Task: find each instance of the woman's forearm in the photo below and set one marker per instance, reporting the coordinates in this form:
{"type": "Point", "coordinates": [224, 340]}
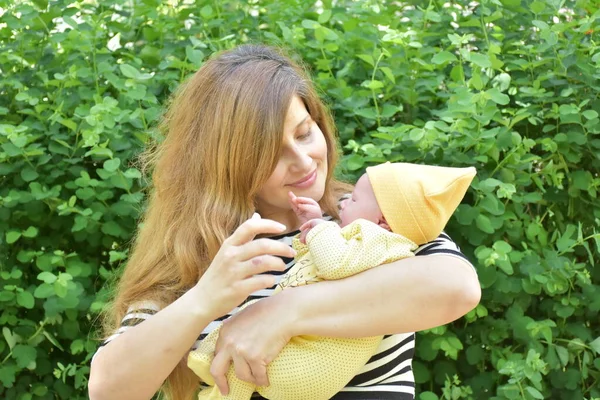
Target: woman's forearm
{"type": "Point", "coordinates": [135, 364]}
{"type": "Point", "coordinates": [404, 296]}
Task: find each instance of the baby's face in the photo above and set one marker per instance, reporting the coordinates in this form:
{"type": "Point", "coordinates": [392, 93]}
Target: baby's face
{"type": "Point", "coordinates": [362, 204]}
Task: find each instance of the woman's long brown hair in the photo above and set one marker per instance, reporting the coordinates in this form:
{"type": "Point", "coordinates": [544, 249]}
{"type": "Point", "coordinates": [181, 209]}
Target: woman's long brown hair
{"type": "Point", "coordinates": [222, 136]}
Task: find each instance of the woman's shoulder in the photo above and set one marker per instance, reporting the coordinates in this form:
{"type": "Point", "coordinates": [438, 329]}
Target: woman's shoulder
{"type": "Point", "coordinates": [443, 244]}
{"type": "Point", "coordinates": [145, 306]}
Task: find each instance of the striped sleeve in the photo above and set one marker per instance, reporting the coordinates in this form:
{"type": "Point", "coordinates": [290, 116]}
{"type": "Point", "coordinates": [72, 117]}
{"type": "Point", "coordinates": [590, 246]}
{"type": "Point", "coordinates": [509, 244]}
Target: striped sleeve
{"type": "Point", "coordinates": [442, 245]}
{"type": "Point", "coordinates": [136, 314]}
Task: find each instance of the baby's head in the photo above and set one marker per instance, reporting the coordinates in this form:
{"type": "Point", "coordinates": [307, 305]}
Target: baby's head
{"type": "Point", "coordinates": [362, 204]}
{"type": "Point", "coordinates": [415, 201]}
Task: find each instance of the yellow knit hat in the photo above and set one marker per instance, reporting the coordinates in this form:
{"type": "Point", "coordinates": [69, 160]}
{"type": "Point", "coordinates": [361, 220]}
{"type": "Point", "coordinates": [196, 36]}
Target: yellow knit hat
{"type": "Point", "coordinates": [418, 200]}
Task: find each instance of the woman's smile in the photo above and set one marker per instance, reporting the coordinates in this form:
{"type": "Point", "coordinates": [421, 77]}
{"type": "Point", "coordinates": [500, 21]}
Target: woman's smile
{"type": "Point", "coordinates": [305, 182]}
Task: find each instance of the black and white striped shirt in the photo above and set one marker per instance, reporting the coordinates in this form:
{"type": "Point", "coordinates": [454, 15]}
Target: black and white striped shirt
{"type": "Point", "coordinates": [387, 375]}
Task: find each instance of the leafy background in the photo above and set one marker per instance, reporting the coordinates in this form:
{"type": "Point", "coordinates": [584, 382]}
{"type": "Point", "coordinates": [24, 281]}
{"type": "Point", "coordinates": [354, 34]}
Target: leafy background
{"type": "Point", "coordinates": [508, 86]}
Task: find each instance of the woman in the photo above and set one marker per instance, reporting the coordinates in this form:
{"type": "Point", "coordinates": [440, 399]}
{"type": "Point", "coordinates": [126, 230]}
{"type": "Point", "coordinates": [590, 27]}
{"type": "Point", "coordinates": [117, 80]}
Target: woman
{"type": "Point", "coordinates": [245, 130]}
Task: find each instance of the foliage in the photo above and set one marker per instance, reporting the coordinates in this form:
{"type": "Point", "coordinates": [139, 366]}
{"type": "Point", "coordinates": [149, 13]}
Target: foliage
{"type": "Point", "coordinates": [508, 86]}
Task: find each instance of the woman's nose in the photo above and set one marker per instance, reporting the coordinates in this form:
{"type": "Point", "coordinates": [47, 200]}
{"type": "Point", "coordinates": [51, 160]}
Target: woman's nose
{"type": "Point", "coordinates": [302, 161]}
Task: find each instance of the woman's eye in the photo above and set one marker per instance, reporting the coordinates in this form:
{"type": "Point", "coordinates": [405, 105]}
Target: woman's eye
{"type": "Point", "coordinates": [305, 136]}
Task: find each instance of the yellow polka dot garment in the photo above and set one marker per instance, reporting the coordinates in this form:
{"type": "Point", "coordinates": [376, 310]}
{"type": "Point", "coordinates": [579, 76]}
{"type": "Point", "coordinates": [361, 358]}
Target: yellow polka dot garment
{"type": "Point", "coordinates": [311, 367]}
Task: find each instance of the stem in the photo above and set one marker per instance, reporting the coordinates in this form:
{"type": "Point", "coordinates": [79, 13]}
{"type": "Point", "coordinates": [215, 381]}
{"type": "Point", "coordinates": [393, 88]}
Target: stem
{"type": "Point", "coordinates": [505, 160]}
{"type": "Point", "coordinates": [521, 389]}
{"type": "Point", "coordinates": [42, 324]}
{"type": "Point", "coordinates": [373, 90]}
{"type": "Point", "coordinates": [487, 40]}
{"type": "Point", "coordinates": [579, 243]}
{"type": "Point", "coordinates": [567, 341]}
{"type": "Point", "coordinates": [328, 66]}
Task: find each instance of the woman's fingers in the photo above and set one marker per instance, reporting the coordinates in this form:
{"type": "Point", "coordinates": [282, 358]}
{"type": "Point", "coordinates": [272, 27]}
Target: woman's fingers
{"type": "Point", "coordinates": [257, 282]}
{"type": "Point", "coordinates": [262, 264]}
{"type": "Point", "coordinates": [251, 228]}
{"type": "Point", "coordinates": [259, 372]}
{"type": "Point", "coordinates": [218, 370]}
{"type": "Point", "coordinates": [260, 247]}
{"type": "Point", "coordinates": [242, 369]}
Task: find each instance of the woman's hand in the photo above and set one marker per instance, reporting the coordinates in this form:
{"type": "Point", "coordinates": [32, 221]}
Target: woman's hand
{"type": "Point", "coordinates": [236, 270]}
{"type": "Point", "coordinates": [252, 338]}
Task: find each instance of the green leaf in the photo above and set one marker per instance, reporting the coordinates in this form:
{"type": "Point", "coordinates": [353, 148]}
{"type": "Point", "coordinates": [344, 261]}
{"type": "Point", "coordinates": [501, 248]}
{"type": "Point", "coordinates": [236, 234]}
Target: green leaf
{"type": "Point", "coordinates": [502, 247]}
{"type": "Point", "coordinates": [25, 299]}
{"type": "Point", "coordinates": [12, 236]}
{"type": "Point", "coordinates": [9, 337]}
{"type": "Point", "coordinates": [194, 55]}
{"type": "Point", "coordinates": [24, 355]}
{"type": "Point", "coordinates": [60, 288]}
{"type": "Point", "coordinates": [367, 112]}
{"type": "Point", "coordinates": [498, 97]}
{"type": "Point", "coordinates": [480, 60]}
{"type": "Point", "coordinates": [52, 340]}
{"type": "Point", "coordinates": [112, 165]}
{"type": "Point", "coordinates": [537, 6]}
{"type": "Point", "coordinates": [47, 277]}
{"type": "Point", "coordinates": [367, 58]}
{"type": "Point", "coordinates": [29, 174]}
{"type": "Point", "coordinates": [563, 355]}
{"type": "Point", "coordinates": [595, 344]}
{"type": "Point", "coordinates": [354, 162]}
{"type": "Point", "coordinates": [324, 17]}
{"type": "Point", "coordinates": [310, 24]}
{"type": "Point", "coordinates": [536, 394]}
{"type": "Point", "coordinates": [43, 291]}
{"type": "Point", "coordinates": [206, 12]}
{"type": "Point", "coordinates": [389, 74]}
{"type": "Point", "coordinates": [428, 396]}
{"type": "Point", "coordinates": [129, 71]}
{"type": "Point", "coordinates": [373, 84]}
{"type": "Point", "coordinates": [484, 224]}
{"type": "Point", "coordinates": [30, 232]}
{"type": "Point", "coordinates": [7, 375]}
{"type": "Point", "coordinates": [590, 114]}
{"type": "Point", "coordinates": [567, 109]}
{"type": "Point", "coordinates": [132, 173]}
{"type": "Point", "coordinates": [77, 346]}
{"type": "Point", "coordinates": [70, 21]}
{"type": "Point", "coordinates": [565, 242]}
{"type": "Point", "coordinates": [443, 57]}
{"type": "Point", "coordinates": [112, 228]}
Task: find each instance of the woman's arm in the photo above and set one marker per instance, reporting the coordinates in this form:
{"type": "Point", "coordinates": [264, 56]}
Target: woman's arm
{"type": "Point", "coordinates": [403, 296]}
{"type": "Point", "coordinates": [136, 363]}
{"type": "Point", "coordinates": [407, 295]}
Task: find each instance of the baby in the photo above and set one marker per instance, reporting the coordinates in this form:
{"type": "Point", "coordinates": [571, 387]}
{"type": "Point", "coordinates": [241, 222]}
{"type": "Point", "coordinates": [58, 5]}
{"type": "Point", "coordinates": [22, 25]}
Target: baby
{"type": "Point", "coordinates": [393, 209]}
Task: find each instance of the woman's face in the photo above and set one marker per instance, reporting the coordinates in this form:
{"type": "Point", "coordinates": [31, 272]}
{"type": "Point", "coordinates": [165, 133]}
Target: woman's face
{"type": "Point", "coordinates": [302, 166]}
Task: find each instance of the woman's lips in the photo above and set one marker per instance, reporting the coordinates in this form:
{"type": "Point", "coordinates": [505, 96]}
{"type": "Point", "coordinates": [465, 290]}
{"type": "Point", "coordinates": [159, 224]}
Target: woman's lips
{"type": "Point", "coordinates": [305, 182]}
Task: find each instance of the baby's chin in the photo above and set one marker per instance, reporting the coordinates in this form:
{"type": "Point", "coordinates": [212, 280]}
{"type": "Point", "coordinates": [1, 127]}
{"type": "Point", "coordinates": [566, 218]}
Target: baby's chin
{"type": "Point", "coordinates": [343, 221]}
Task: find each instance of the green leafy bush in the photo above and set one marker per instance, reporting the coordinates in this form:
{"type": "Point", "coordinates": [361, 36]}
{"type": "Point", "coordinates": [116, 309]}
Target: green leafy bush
{"type": "Point", "coordinates": [508, 86]}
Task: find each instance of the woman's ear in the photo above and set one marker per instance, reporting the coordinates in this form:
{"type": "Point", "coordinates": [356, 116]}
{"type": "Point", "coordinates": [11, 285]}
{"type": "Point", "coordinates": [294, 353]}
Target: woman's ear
{"type": "Point", "coordinates": [383, 223]}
